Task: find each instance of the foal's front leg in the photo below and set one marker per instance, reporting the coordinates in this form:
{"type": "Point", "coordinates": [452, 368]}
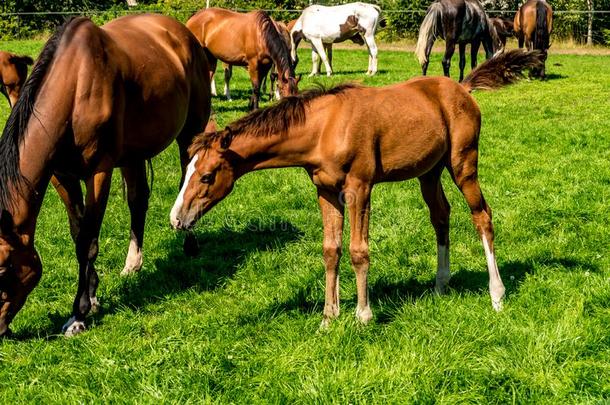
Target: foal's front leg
{"type": "Point", "coordinates": [332, 217]}
{"type": "Point", "coordinates": [357, 197]}
{"type": "Point", "coordinates": [98, 187]}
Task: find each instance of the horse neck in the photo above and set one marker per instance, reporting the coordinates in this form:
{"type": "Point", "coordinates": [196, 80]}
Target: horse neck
{"type": "Point", "coordinates": [293, 149]}
{"type": "Point", "coordinates": [43, 133]}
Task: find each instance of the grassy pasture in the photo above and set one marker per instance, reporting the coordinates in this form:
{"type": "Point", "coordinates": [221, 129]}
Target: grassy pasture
{"type": "Point", "coordinates": [239, 322]}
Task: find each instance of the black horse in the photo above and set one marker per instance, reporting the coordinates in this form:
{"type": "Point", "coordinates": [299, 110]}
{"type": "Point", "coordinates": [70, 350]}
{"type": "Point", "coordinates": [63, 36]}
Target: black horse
{"type": "Point", "coordinates": [457, 22]}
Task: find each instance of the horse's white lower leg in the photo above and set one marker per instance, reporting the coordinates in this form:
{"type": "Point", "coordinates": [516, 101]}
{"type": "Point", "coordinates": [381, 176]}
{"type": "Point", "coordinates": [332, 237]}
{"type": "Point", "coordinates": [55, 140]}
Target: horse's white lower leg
{"type": "Point", "coordinates": [319, 47]}
{"type": "Point", "coordinates": [133, 262]}
{"type": "Point", "coordinates": [213, 86]}
{"type": "Point", "coordinates": [370, 43]}
{"type": "Point", "coordinates": [315, 63]}
{"type": "Point", "coordinates": [227, 91]}
{"type": "Point", "coordinates": [496, 287]}
{"type": "Point", "coordinates": [442, 273]}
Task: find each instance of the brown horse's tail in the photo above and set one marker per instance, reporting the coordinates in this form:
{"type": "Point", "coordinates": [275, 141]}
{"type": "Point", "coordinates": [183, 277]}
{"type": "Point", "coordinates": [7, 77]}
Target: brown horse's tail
{"type": "Point", "coordinates": [502, 70]}
{"type": "Point", "coordinates": [541, 33]}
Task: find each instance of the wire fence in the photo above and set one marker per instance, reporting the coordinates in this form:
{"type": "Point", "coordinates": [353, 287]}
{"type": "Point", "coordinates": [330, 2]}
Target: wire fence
{"type": "Point", "coordinates": [569, 25]}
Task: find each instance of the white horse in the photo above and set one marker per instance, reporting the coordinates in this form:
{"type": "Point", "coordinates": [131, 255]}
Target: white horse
{"type": "Point", "coordinates": [321, 25]}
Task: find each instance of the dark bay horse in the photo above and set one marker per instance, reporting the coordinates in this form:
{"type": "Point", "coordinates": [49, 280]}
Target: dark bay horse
{"type": "Point", "coordinates": [457, 22]}
{"type": "Point", "coordinates": [351, 137]}
{"type": "Point", "coordinates": [504, 29]}
{"type": "Point", "coordinates": [13, 72]}
{"type": "Point", "coordinates": [533, 25]}
{"type": "Point", "coordinates": [97, 98]}
{"type": "Point", "coordinates": [250, 40]}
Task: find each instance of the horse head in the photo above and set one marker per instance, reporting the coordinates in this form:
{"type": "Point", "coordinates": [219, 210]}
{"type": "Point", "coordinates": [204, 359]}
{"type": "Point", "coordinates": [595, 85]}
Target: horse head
{"type": "Point", "coordinates": [210, 177]}
{"type": "Point", "coordinates": [288, 84]}
{"type": "Point", "coordinates": [13, 73]}
{"type": "Point", "coordinates": [20, 270]}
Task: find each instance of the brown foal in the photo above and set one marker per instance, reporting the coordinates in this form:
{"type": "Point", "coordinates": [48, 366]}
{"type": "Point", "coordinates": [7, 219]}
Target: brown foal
{"type": "Point", "coordinates": [250, 40]}
{"type": "Point", "coordinates": [13, 72]}
{"type": "Point", "coordinates": [97, 98]}
{"type": "Point", "coordinates": [351, 137]}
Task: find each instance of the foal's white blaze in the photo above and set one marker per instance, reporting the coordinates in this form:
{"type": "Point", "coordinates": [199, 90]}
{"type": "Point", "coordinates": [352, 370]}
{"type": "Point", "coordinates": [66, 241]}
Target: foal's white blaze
{"type": "Point", "coordinates": [496, 287]}
{"type": "Point", "coordinates": [190, 170]}
{"type": "Point", "coordinates": [442, 273]}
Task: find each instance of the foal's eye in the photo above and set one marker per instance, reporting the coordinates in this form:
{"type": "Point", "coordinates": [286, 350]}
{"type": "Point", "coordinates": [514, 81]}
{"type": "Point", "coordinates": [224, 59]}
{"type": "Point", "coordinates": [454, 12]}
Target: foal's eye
{"type": "Point", "coordinates": [207, 178]}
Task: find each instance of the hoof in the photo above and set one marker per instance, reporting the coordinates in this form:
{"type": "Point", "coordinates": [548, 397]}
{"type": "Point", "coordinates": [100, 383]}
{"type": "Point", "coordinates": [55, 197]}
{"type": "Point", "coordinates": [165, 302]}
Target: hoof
{"type": "Point", "coordinates": [191, 246]}
{"type": "Point", "coordinates": [325, 324]}
{"type": "Point", "coordinates": [497, 305]}
{"type": "Point", "coordinates": [73, 327]}
{"type": "Point", "coordinates": [131, 269]}
{"type": "Point", "coordinates": [364, 315]}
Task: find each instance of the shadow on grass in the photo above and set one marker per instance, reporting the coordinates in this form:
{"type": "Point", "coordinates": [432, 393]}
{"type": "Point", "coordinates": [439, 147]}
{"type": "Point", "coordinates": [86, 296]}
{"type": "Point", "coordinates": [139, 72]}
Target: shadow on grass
{"type": "Point", "coordinates": [221, 254]}
{"type": "Point", "coordinates": [389, 296]}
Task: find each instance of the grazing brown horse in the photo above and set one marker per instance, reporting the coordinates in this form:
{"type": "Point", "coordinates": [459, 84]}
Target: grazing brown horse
{"type": "Point", "coordinates": [533, 26]}
{"type": "Point", "coordinates": [250, 40]}
{"type": "Point", "coordinates": [351, 137]}
{"type": "Point", "coordinates": [96, 99]}
{"type": "Point", "coordinates": [13, 72]}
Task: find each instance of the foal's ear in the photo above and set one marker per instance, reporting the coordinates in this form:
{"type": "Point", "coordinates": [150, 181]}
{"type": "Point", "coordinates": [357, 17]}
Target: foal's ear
{"type": "Point", "coordinates": [6, 223]}
{"type": "Point", "coordinates": [226, 139]}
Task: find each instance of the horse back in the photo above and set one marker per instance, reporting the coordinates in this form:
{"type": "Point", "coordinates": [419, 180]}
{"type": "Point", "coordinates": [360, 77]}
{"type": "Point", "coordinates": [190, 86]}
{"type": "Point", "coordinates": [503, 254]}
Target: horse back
{"type": "Point", "coordinates": [109, 81]}
{"type": "Point", "coordinates": [399, 131]}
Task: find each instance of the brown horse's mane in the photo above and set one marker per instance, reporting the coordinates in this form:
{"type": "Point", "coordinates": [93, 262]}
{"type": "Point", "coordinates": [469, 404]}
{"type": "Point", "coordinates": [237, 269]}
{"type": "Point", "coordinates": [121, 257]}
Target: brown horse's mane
{"type": "Point", "coordinates": [14, 132]}
{"type": "Point", "coordinates": [272, 120]}
{"type": "Point", "coordinates": [275, 43]}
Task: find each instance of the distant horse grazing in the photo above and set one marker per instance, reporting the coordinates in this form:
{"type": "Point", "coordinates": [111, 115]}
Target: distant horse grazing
{"type": "Point", "coordinates": [13, 72]}
{"type": "Point", "coordinates": [250, 40]}
{"type": "Point", "coordinates": [457, 22]}
{"type": "Point", "coordinates": [349, 138]}
{"type": "Point", "coordinates": [533, 26]}
{"type": "Point", "coordinates": [322, 26]}
{"type": "Point", "coordinates": [96, 99]}
{"type": "Point", "coordinates": [504, 29]}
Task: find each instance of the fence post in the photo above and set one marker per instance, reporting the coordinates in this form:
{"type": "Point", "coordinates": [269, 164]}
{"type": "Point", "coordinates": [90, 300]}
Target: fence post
{"type": "Point", "coordinates": [590, 23]}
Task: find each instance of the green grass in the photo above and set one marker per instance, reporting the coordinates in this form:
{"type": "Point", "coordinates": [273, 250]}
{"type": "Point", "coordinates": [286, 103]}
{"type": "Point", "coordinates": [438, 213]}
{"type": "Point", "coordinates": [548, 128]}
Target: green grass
{"type": "Point", "coordinates": [239, 322]}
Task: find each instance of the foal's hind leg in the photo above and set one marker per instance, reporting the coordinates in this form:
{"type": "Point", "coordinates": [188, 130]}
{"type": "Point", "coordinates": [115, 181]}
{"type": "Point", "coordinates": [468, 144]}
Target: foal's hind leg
{"type": "Point", "coordinates": [432, 191]}
{"type": "Point", "coordinates": [464, 172]}
{"type": "Point", "coordinates": [137, 199]}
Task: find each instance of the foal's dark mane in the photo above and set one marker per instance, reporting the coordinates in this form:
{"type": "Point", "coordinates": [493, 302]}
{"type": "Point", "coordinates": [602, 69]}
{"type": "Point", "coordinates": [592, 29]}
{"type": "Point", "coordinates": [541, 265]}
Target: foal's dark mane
{"type": "Point", "coordinates": [275, 119]}
{"type": "Point", "coordinates": [275, 43]}
{"type": "Point", "coordinates": [14, 131]}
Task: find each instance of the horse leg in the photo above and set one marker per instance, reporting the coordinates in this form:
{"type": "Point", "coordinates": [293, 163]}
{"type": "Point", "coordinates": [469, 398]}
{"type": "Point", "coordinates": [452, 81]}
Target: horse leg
{"type": "Point", "coordinates": [212, 62]}
{"type": "Point", "coordinates": [488, 46]}
{"type": "Point", "coordinates": [520, 40]}
{"type": "Point", "coordinates": [463, 169]}
{"type": "Point", "coordinates": [70, 192]}
{"type": "Point", "coordinates": [228, 75]}
{"type": "Point", "coordinates": [462, 48]}
{"type": "Point", "coordinates": [137, 199]}
{"type": "Point", "coordinates": [254, 72]}
{"type": "Point", "coordinates": [449, 50]}
{"type": "Point", "coordinates": [317, 44]}
{"type": "Point", "coordinates": [332, 217]}
{"type": "Point", "coordinates": [357, 195]}
{"type": "Point", "coordinates": [329, 53]}
{"type": "Point", "coordinates": [315, 62]}
{"type": "Point", "coordinates": [98, 187]}
{"type": "Point", "coordinates": [372, 46]}
{"type": "Point", "coordinates": [474, 53]}
{"type": "Point", "coordinates": [432, 191]}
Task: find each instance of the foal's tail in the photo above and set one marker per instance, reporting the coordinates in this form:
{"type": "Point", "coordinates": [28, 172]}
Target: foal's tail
{"type": "Point", "coordinates": [541, 34]}
{"type": "Point", "coordinates": [428, 31]}
{"type": "Point", "coordinates": [503, 69]}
